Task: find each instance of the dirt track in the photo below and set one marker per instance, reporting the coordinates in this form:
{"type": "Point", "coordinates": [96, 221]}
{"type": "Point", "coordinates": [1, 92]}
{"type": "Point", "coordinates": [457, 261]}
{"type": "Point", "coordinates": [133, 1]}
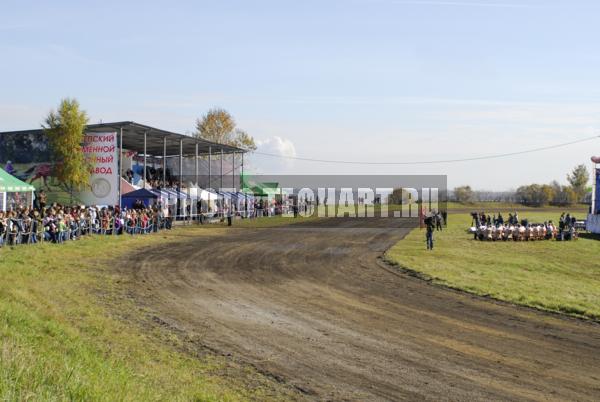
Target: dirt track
{"type": "Point", "coordinates": [314, 307]}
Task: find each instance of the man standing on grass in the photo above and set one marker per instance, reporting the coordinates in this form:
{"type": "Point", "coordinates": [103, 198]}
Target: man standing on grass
{"type": "Point", "coordinates": [430, 228]}
{"type": "Point", "coordinates": [438, 221]}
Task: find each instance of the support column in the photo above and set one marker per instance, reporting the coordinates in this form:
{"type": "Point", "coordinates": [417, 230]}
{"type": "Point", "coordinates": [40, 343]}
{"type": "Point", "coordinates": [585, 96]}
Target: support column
{"type": "Point", "coordinates": [145, 152]}
{"type": "Point", "coordinates": [222, 202]}
{"type": "Point", "coordinates": [233, 170]}
{"type": "Point", "coordinates": [120, 160]}
{"type": "Point", "coordinates": [221, 168]}
{"type": "Point", "coordinates": [181, 204]}
{"type": "Point", "coordinates": [120, 152]}
{"type": "Point", "coordinates": [242, 187]}
{"type": "Point", "coordinates": [197, 187]}
{"type": "Point", "coordinates": [233, 180]}
{"type": "Point", "coordinates": [209, 167]}
{"type": "Point", "coordinates": [164, 178]}
{"type": "Point", "coordinates": [196, 166]}
{"type": "Point", "coordinates": [594, 210]}
{"type": "Point", "coordinates": [180, 163]}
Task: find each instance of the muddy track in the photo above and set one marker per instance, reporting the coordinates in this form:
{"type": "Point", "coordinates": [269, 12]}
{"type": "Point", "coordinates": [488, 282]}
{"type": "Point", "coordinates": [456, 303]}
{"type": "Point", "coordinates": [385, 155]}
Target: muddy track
{"type": "Point", "coordinates": [312, 307]}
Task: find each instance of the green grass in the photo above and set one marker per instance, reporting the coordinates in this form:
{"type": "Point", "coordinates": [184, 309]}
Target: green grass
{"type": "Point", "coordinates": [64, 336]}
{"type": "Point", "coordinates": [556, 276]}
{"type": "Point", "coordinates": [493, 206]}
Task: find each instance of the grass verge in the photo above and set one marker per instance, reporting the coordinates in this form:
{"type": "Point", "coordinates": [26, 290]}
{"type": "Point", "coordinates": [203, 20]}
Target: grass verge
{"type": "Point", "coordinates": [555, 276]}
{"type": "Point", "coordinates": [61, 340]}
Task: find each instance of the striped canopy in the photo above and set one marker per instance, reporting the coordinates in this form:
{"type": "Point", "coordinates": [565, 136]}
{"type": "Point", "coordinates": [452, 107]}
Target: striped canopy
{"type": "Point", "coordinates": [10, 184]}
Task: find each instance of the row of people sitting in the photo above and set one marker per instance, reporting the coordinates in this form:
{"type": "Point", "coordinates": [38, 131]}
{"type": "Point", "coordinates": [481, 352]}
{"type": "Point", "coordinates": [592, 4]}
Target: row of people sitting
{"type": "Point", "coordinates": [518, 232]}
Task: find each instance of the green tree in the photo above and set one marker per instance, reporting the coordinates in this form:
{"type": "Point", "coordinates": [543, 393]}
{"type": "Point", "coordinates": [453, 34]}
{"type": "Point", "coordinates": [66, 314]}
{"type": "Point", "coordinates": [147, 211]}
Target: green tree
{"type": "Point", "coordinates": [218, 125]}
{"type": "Point", "coordinates": [562, 195]}
{"type": "Point", "coordinates": [65, 130]}
{"type": "Point", "coordinates": [535, 194]}
{"type": "Point", "coordinates": [578, 179]}
{"type": "Point", "coordinates": [463, 194]}
{"type": "Point", "coordinates": [546, 194]}
{"type": "Point", "coordinates": [527, 194]}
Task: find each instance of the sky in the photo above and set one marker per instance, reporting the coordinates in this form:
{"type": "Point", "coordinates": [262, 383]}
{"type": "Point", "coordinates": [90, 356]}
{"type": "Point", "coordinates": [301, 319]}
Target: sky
{"type": "Point", "coordinates": [353, 80]}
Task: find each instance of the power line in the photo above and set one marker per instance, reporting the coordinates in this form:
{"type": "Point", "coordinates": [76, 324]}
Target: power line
{"type": "Point", "coordinates": [475, 158]}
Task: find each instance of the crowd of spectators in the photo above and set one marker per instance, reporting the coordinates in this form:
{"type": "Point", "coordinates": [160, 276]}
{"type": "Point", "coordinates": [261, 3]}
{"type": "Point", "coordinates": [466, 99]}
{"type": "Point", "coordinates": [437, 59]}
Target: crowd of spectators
{"type": "Point", "coordinates": [154, 177]}
{"type": "Point", "coordinates": [57, 223]}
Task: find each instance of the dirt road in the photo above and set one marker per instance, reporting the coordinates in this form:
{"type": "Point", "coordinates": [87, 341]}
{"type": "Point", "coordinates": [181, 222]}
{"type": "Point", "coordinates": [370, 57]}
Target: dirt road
{"type": "Point", "coordinates": [315, 308]}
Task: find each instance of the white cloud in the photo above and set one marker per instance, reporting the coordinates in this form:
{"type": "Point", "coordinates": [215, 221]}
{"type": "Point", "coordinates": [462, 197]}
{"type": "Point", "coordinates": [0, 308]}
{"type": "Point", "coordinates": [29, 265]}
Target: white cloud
{"type": "Point", "coordinates": [277, 145]}
{"type": "Point", "coordinates": [273, 155]}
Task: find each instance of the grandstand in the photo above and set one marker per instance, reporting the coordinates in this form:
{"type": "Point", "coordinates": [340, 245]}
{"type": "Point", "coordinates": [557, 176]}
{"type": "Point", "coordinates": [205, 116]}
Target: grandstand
{"type": "Point", "coordinates": [126, 156]}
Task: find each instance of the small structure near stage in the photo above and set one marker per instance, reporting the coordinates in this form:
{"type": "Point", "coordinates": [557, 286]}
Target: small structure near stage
{"type": "Point", "coordinates": [14, 191]}
{"type": "Point", "coordinates": [145, 197]}
{"type": "Point", "coordinates": [592, 223]}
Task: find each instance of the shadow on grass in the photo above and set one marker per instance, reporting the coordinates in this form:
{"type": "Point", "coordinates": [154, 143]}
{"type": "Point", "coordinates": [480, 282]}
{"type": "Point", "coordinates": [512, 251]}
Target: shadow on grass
{"type": "Point", "coordinates": [592, 236]}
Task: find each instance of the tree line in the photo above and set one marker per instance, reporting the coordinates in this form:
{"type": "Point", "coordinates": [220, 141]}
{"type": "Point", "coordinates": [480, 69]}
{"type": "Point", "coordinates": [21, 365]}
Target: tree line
{"type": "Point", "coordinates": [535, 194]}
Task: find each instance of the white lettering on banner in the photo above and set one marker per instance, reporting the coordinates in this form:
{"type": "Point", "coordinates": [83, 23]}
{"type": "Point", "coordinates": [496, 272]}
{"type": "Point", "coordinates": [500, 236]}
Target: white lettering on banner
{"type": "Point", "coordinates": [100, 152]}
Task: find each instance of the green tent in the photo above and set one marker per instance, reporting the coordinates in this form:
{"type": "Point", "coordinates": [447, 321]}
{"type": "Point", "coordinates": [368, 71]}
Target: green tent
{"type": "Point", "coordinates": [259, 189]}
{"type": "Point", "coordinates": [10, 184]}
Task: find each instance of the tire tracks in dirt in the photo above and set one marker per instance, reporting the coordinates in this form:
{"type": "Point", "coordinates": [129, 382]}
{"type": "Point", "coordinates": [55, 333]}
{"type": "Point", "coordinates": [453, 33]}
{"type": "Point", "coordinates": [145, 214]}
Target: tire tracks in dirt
{"type": "Point", "coordinates": [312, 307]}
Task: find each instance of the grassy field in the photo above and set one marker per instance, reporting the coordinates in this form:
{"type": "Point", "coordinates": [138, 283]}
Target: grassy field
{"type": "Point", "coordinates": [68, 332]}
{"type": "Point", "coordinates": [506, 207]}
{"type": "Point", "coordinates": [556, 276]}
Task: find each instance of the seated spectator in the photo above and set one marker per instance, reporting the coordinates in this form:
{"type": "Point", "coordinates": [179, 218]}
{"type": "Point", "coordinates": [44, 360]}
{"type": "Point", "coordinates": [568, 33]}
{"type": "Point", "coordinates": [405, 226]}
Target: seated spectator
{"type": "Point", "coordinates": [2, 228]}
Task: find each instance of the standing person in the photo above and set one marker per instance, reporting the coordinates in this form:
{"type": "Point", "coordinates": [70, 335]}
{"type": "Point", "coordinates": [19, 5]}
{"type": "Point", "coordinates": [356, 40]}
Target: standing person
{"type": "Point", "coordinates": [42, 199]}
{"type": "Point", "coordinates": [475, 221]}
{"type": "Point", "coordinates": [9, 168]}
{"type": "Point", "coordinates": [36, 200]}
{"type": "Point", "coordinates": [167, 216]}
{"type": "Point", "coordinates": [561, 227]}
{"type": "Point", "coordinates": [438, 221]}
{"type": "Point", "coordinates": [228, 212]}
{"type": "Point", "coordinates": [429, 233]}
{"type": "Point", "coordinates": [3, 224]}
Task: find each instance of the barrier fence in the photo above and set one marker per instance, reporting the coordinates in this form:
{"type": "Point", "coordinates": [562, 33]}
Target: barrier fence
{"type": "Point", "coordinates": [17, 231]}
{"type": "Point", "coordinates": [22, 231]}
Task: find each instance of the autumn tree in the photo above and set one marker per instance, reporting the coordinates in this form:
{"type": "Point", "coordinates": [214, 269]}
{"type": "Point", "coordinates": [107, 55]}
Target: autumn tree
{"type": "Point", "coordinates": [65, 130]}
{"type": "Point", "coordinates": [563, 195]}
{"type": "Point", "coordinates": [536, 195]}
{"type": "Point", "coordinates": [578, 179]}
{"type": "Point", "coordinates": [463, 194]}
{"type": "Point", "coordinates": [218, 125]}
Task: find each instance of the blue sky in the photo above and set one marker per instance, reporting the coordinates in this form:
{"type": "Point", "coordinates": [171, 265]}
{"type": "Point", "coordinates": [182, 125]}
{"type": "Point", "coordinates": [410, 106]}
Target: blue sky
{"type": "Point", "coordinates": [379, 80]}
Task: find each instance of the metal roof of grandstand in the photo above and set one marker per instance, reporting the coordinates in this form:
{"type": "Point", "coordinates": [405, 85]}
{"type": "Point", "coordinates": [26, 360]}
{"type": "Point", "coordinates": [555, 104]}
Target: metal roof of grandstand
{"type": "Point", "coordinates": [133, 139]}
